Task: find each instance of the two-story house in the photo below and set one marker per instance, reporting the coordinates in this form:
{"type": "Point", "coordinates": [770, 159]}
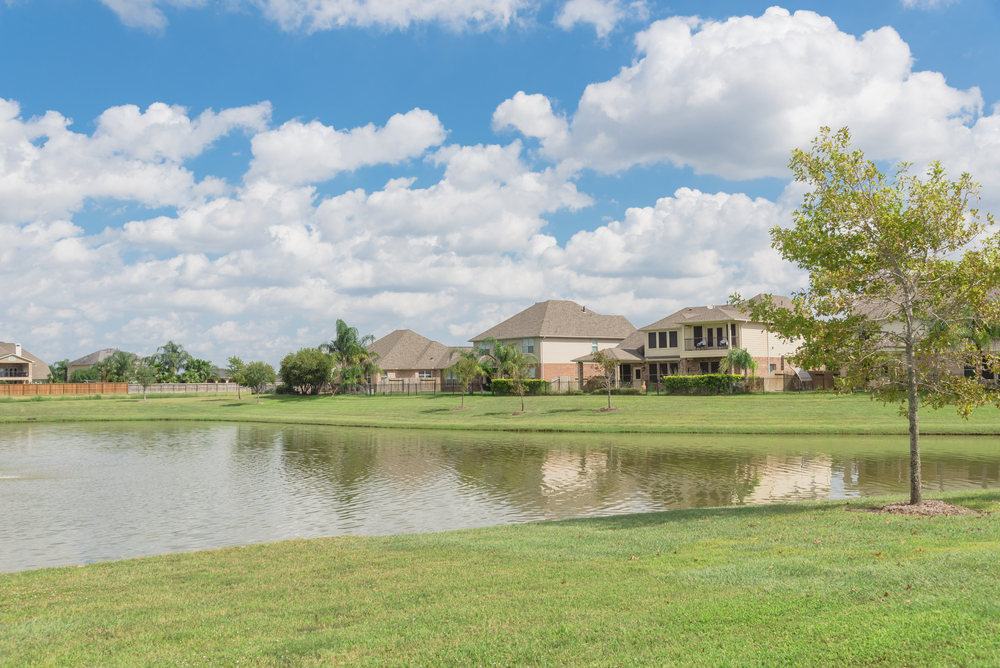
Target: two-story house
{"type": "Point", "coordinates": [19, 366]}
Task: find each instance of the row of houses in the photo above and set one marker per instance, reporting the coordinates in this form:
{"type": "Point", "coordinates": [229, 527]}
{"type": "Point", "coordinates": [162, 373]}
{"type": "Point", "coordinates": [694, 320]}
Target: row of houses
{"type": "Point", "coordinates": [563, 335]}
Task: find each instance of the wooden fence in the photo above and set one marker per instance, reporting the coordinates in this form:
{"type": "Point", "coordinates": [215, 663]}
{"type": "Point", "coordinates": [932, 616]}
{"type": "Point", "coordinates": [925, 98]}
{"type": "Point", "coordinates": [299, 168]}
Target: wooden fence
{"type": "Point", "coordinates": [52, 389]}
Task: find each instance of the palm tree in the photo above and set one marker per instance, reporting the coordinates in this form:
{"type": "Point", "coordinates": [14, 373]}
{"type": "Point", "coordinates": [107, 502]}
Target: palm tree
{"type": "Point", "coordinates": [511, 363]}
{"type": "Point", "coordinates": [738, 358]}
{"type": "Point", "coordinates": [171, 357]}
{"type": "Point", "coordinates": [351, 355]}
{"type": "Point", "coordinates": [467, 368]}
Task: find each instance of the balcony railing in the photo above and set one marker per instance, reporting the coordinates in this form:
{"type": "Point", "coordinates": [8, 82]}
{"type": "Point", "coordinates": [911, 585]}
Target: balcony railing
{"type": "Point", "coordinates": [697, 345]}
{"type": "Point", "coordinates": [13, 373]}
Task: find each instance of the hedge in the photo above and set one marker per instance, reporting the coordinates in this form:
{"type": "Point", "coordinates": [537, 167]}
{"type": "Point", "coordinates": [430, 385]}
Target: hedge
{"type": "Point", "coordinates": [503, 387]}
{"type": "Point", "coordinates": [711, 383]}
{"type": "Point", "coordinates": [619, 390]}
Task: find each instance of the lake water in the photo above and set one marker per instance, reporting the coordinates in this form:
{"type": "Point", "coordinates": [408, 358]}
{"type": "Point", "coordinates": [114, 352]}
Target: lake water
{"type": "Point", "coordinates": [80, 493]}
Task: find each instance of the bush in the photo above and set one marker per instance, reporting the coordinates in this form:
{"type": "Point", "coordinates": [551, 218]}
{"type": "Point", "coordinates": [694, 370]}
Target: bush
{"type": "Point", "coordinates": [619, 391]}
{"type": "Point", "coordinates": [711, 383]}
{"type": "Point", "coordinates": [84, 375]}
{"type": "Point", "coordinates": [307, 371]}
{"type": "Point", "coordinates": [285, 389]}
{"type": "Point", "coordinates": [504, 388]}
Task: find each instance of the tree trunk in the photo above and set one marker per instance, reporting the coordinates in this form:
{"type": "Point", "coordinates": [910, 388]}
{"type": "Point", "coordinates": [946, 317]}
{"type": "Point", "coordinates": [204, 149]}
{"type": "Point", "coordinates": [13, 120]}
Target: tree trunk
{"type": "Point", "coordinates": [912, 399]}
{"type": "Point", "coordinates": [522, 401]}
{"type": "Point", "coordinates": [609, 396]}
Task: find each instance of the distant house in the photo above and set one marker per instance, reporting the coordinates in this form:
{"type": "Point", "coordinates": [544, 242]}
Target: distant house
{"type": "Point", "coordinates": [88, 361]}
{"type": "Point", "coordinates": [557, 332]}
{"type": "Point", "coordinates": [19, 366]}
{"type": "Point", "coordinates": [695, 340]}
{"type": "Point", "coordinates": [404, 354]}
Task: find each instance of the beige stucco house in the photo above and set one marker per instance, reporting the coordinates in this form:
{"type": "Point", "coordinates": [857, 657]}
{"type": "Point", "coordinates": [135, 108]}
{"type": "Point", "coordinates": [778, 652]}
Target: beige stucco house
{"type": "Point", "coordinates": [17, 365]}
{"type": "Point", "coordinates": [557, 332]}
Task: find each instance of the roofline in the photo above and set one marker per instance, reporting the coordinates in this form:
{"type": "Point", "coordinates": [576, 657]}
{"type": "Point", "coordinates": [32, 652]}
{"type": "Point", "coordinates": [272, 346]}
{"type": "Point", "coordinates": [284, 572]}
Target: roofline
{"type": "Point", "coordinates": [651, 328]}
{"type": "Point", "coordinates": [549, 336]}
{"type": "Point", "coordinates": [3, 357]}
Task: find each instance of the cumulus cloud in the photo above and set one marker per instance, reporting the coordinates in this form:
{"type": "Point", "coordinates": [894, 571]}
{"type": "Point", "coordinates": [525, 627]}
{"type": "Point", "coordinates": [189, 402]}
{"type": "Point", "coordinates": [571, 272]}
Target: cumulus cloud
{"type": "Point", "coordinates": [48, 171]}
{"type": "Point", "coordinates": [315, 15]}
{"type": "Point", "coordinates": [926, 4]}
{"type": "Point", "coordinates": [604, 15]}
{"type": "Point", "coordinates": [145, 13]}
{"type": "Point", "coordinates": [298, 153]}
{"type": "Point", "coordinates": [733, 97]}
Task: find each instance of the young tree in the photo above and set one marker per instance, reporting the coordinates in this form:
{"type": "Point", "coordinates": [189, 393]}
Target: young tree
{"type": "Point", "coordinates": [467, 369]}
{"type": "Point", "coordinates": [257, 375]}
{"type": "Point", "coordinates": [145, 375]}
{"type": "Point", "coordinates": [235, 371]}
{"type": "Point", "coordinates": [609, 366]}
{"type": "Point", "coordinates": [307, 370]}
{"type": "Point", "coordinates": [512, 364]}
{"type": "Point", "coordinates": [895, 268]}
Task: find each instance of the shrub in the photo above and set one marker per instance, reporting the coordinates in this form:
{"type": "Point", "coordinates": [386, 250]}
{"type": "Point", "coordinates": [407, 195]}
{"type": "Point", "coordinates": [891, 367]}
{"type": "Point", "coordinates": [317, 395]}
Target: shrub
{"type": "Point", "coordinates": [711, 383]}
{"type": "Point", "coordinates": [619, 391]}
{"type": "Point", "coordinates": [84, 375]}
{"type": "Point", "coordinates": [504, 388]}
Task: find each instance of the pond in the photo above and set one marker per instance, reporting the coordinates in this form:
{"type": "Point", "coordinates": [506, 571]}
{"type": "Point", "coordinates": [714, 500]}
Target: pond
{"type": "Point", "coordinates": [80, 493]}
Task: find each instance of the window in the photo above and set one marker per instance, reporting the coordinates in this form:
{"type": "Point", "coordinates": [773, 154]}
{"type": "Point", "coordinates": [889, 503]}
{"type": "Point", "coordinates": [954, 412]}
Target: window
{"type": "Point", "coordinates": [698, 334]}
{"type": "Point", "coordinates": [593, 345]}
{"type": "Point", "coordinates": [528, 346]}
{"type": "Point", "coordinates": [714, 367]}
{"type": "Point", "coordinates": [703, 366]}
{"type": "Point", "coordinates": [674, 367]}
{"type": "Point", "coordinates": [732, 331]}
{"type": "Point", "coordinates": [626, 372]}
{"type": "Point", "coordinates": [531, 372]}
{"type": "Point", "coordinates": [673, 339]}
{"type": "Point", "coordinates": [773, 367]}
{"type": "Point", "coordinates": [662, 339]}
{"type": "Point", "coordinates": [424, 375]}
{"type": "Point", "coordinates": [782, 362]}
{"type": "Point", "coordinates": [652, 340]}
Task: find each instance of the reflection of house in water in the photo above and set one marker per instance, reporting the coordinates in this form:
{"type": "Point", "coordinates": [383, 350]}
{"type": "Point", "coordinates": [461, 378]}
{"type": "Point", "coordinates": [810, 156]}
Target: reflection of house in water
{"type": "Point", "coordinates": [793, 479]}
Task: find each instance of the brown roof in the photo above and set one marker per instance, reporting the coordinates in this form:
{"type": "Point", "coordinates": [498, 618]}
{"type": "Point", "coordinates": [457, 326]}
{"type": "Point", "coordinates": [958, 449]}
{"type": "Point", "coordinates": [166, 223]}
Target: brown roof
{"type": "Point", "coordinates": [405, 349]}
{"type": "Point", "coordinates": [694, 314]}
{"type": "Point", "coordinates": [632, 349]}
{"type": "Point", "coordinates": [559, 318]}
{"type": "Point", "coordinates": [94, 358]}
{"type": "Point", "coordinates": [41, 370]}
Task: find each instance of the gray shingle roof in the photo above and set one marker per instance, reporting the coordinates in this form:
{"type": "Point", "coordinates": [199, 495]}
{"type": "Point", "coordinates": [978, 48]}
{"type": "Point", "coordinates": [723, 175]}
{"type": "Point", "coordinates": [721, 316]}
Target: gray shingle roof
{"type": "Point", "coordinates": [559, 318]}
{"type": "Point", "coordinates": [695, 314]}
{"type": "Point", "coordinates": [405, 349]}
{"type": "Point", "coordinates": [94, 358]}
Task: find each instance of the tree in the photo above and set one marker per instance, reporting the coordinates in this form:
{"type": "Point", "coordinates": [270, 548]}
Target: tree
{"type": "Point", "coordinates": [198, 371]}
{"type": "Point", "coordinates": [738, 358]}
{"type": "Point", "coordinates": [307, 370]}
{"type": "Point", "coordinates": [257, 375]}
{"type": "Point", "coordinates": [895, 268]}
{"type": "Point", "coordinates": [172, 357]}
{"type": "Point", "coordinates": [57, 372]}
{"type": "Point", "coordinates": [512, 364]}
{"type": "Point", "coordinates": [467, 369]}
{"type": "Point", "coordinates": [85, 376]}
{"type": "Point", "coordinates": [145, 375]}
{"type": "Point", "coordinates": [609, 365]}
{"type": "Point", "coordinates": [235, 371]}
{"type": "Point", "coordinates": [351, 356]}
{"type": "Point", "coordinates": [117, 367]}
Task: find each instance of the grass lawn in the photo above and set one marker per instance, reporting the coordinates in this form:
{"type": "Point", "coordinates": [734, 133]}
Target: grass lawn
{"type": "Point", "coordinates": [777, 413]}
{"type": "Point", "coordinates": [804, 584]}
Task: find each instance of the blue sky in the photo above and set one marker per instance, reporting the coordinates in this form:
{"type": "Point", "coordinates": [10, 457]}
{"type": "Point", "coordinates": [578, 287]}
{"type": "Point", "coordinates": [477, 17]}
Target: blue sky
{"type": "Point", "coordinates": [502, 181]}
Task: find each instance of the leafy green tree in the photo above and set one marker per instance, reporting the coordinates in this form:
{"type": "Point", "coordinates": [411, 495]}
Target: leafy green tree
{"type": "Point", "coordinates": [257, 375]}
{"type": "Point", "coordinates": [145, 375]}
{"type": "Point", "coordinates": [85, 376]}
{"type": "Point", "coordinates": [235, 371]}
{"type": "Point", "coordinates": [307, 370]}
{"type": "Point", "coordinates": [609, 366]}
{"type": "Point", "coordinates": [117, 367]}
{"type": "Point", "coordinates": [895, 267]}
{"type": "Point", "coordinates": [57, 371]}
{"type": "Point", "coordinates": [512, 364]}
{"type": "Point", "coordinates": [466, 369]}
{"type": "Point", "coordinates": [172, 358]}
{"type": "Point", "coordinates": [198, 371]}
{"type": "Point", "coordinates": [351, 356]}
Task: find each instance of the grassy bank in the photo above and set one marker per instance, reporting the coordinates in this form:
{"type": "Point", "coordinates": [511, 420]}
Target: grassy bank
{"type": "Point", "coordinates": [779, 413]}
{"type": "Point", "coordinates": [803, 584]}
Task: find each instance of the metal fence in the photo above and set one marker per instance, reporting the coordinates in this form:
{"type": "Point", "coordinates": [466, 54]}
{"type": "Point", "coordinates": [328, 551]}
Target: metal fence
{"type": "Point", "coordinates": [410, 386]}
{"type": "Point", "coordinates": [174, 388]}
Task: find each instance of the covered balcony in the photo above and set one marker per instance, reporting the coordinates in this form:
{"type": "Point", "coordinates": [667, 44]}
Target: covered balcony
{"type": "Point", "coordinates": [710, 342]}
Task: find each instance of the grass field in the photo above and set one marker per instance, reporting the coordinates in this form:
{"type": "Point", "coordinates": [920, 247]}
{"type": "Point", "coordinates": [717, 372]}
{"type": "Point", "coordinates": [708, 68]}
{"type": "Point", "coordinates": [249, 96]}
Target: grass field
{"type": "Point", "coordinates": [778, 413]}
{"type": "Point", "coordinates": [804, 584]}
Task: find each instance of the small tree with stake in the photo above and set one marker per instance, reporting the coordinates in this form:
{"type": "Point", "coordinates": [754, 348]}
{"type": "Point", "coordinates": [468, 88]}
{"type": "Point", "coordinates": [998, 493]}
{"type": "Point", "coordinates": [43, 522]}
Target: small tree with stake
{"type": "Point", "coordinates": [235, 371]}
{"type": "Point", "coordinates": [257, 375]}
{"type": "Point", "coordinates": [145, 375]}
{"type": "Point", "coordinates": [896, 267]}
{"type": "Point", "coordinates": [609, 366]}
{"type": "Point", "coordinates": [467, 369]}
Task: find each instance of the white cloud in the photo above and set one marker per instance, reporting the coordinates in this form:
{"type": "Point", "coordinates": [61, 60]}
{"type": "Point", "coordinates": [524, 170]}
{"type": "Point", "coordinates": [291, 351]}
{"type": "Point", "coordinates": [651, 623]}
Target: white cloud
{"type": "Point", "coordinates": [926, 4]}
{"type": "Point", "coordinates": [733, 97]}
{"type": "Point", "coordinates": [315, 15]}
{"type": "Point", "coordinates": [604, 15]}
{"type": "Point", "coordinates": [146, 13]}
{"type": "Point", "coordinates": [298, 153]}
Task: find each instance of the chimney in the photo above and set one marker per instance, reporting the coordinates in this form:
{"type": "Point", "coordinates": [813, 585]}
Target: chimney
{"type": "Point", "coordinates": [584, 309]}
{"type": "Point", "coordinates": [17, 349]}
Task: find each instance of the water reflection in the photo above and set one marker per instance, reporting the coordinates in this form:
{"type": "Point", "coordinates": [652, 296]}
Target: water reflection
{"type": "Point", "coordinates": [81, 493]}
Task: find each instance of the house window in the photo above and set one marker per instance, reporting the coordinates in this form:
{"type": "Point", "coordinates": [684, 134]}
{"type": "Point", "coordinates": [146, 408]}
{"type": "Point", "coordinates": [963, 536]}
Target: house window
{"type": "Point", "coordinates": [528, 346]}
{"type": "Point", "coordinates": [673, 368]}
{"type": "Point", "coordinates": [652, 340]}
{"type": "Point", "coordinates": [773, 367]}
{"type": "Point", "coordinates": [424, 375]}
{"type": "Point", "coordinates": [662, 339]}
{"type": "Point", "coordinates": [593, 345]}
{"type": "Point", "coordinates": [531, 372]}
{"type": "Point", "coordinates": [452, 379]}
{"type": "Point", "coordinates": [732, 333]}
{"type": "Point", "coordinates": [714, 367]}
{"type": "Point", "coordinates": [782, 362]}
{"type": "Point", "coordinates": [626, 372]}
{"type": "Point", "coordinates": [698, 334]}
{"type": "Point", "coordinates": [673, 339]}
{"type": "Point", "coordinates": [703, 367]}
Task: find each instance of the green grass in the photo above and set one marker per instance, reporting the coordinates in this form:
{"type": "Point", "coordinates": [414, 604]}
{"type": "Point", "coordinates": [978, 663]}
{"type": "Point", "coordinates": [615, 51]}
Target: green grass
{"type": "Point", "coordinates": [804, 584]}
{"type": "Point", "coordinates": [779, 413]}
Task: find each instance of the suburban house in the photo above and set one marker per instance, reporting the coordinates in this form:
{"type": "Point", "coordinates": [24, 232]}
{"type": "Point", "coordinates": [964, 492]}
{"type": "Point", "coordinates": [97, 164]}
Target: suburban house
{"type": "Point", "coordinates": [19, 366]}
{"type": "Point", "coordinates": [695, 340]}
{"type": "Point", "coordinates": [88, 361]}
{"type": "Point", "coordinates": [556, 333]}
{"type": "Point", "coordinates": [406, 355]}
